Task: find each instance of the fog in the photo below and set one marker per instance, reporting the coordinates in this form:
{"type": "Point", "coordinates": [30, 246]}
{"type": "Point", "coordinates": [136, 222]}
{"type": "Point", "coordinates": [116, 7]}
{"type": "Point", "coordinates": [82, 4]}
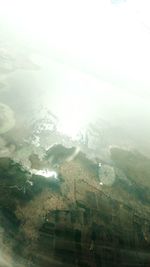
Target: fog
{"type": "Point", "coordinates": [92, 60]}
{"type": "Point", "coordinates": [74, 73]}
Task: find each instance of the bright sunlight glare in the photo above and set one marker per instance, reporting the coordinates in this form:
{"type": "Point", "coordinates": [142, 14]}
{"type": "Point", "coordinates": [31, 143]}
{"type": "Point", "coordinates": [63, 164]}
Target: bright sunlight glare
{"type": "Point", "coordinates": [90, 35]}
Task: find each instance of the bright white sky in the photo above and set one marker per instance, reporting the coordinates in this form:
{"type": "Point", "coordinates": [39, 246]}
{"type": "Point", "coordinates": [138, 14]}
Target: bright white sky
{"type": "Point", "coordinates": [106, 37]}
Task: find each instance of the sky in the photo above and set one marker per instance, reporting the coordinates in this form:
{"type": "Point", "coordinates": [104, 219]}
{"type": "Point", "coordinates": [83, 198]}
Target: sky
{"type": "Point", "coordinates": [107, 40]}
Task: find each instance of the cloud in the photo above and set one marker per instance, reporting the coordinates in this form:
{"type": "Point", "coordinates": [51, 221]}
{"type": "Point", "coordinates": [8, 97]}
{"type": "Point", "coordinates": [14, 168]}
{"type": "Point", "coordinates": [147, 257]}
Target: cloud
{"type": "Point", "coordinates": [7, 120]}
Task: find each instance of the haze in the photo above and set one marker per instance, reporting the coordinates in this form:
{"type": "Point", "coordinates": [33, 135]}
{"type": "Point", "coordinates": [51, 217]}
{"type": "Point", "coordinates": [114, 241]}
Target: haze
{"type": "Point", "coordinates": [94, 63]}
